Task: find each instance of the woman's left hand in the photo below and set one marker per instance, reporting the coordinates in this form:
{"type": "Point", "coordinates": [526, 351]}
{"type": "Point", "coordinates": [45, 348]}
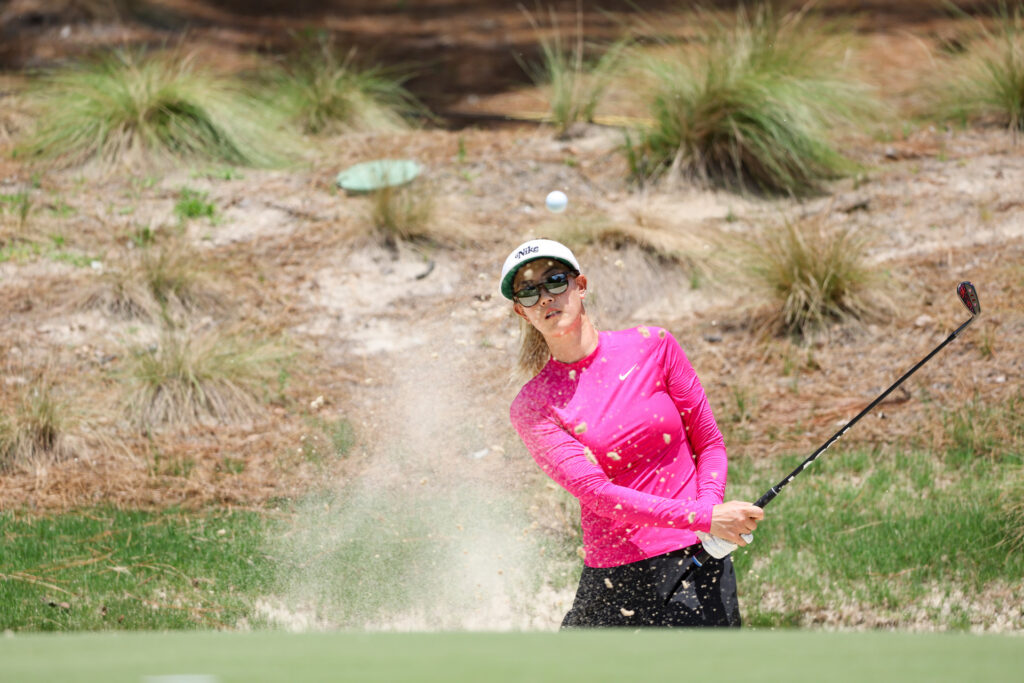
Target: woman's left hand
{"type": "Point", "coordinates": [729, 520]}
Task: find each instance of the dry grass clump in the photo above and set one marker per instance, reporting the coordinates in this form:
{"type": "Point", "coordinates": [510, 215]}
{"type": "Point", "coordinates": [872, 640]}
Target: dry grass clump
{"type": "Point", "coordinates": [191, 378]}
{"type": "Point", "coordinates": [142, 108]}
{"type": "Point", "coordinates": [16, 208]}
{"type": "Point", "coordinates": [986, 81]}
{"type": "Point", "coordinates": [814, 274]}
{"type": "Point", "coordinates": [575, 75]}
{"type": "Point", "coordinates": [33, 429]}
{"type": "Point", "coordinates": [750, 103]}
{"type": "Point", "coordinates": [405, 213]}
{"type": "Point", "coordinates": [325, 91]}
{"type": "Point", "coordinates": [157, 281]}
{"type": "Point", "coordinates": [14, 115]}
{"type": "Point", "coordinates": [675, 242]}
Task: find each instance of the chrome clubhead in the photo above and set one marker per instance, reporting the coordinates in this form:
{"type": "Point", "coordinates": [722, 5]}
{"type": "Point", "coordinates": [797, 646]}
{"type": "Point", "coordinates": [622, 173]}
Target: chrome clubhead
{"type": "Point", "coordinates": [968, 297]}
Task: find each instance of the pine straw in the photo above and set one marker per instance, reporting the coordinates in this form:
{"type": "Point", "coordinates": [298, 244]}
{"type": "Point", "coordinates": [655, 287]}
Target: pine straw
{"type": "Point", "coordinates": [248, 464]}
{"type": "Point", "coordinates": [146, 478]}
{"type": "Point", "coordinates": [801, 394]}
{"type": "Point", "coordinates": [47, 421]}
{"type": "Point", "coordinates": [833, 382]}
{"type": "Point", "coordinates": [849, 369]}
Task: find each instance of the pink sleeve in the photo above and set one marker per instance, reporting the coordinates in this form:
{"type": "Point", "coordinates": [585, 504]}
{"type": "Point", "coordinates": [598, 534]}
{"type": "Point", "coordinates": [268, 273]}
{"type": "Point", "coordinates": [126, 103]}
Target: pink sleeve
{"type": "Point", "coordinates": [562, 458]}
{"type": "Point", "coordinates": [705, 438]}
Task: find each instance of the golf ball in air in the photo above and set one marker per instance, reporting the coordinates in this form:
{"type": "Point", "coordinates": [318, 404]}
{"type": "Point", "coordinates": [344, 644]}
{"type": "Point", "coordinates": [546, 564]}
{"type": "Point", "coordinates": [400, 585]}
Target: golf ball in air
{"type": "Point", "coordinates": [556, 201]}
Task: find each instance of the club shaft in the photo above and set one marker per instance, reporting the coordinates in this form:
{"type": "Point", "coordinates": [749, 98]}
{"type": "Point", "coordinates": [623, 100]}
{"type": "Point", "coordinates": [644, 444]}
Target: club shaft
{"type": "Point", "coordinates": [774, 491]}
{"type": "Point", "coordinates": [703, 556]}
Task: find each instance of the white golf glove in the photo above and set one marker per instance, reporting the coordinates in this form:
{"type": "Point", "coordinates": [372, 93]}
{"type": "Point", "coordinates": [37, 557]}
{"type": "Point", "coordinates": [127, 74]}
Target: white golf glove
{"type": "Point", "coordinates": [718, 547]}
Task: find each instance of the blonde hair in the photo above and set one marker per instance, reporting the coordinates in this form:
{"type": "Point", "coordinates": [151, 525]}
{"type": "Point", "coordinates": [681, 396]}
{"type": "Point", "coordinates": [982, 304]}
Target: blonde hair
{"type": "Point", "coordinates": [533, 350]}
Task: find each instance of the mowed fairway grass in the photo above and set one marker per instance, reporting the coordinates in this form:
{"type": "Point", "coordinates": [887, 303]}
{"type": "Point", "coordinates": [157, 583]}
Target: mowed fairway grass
{"type": "Point", "coordinates": [598, 656]}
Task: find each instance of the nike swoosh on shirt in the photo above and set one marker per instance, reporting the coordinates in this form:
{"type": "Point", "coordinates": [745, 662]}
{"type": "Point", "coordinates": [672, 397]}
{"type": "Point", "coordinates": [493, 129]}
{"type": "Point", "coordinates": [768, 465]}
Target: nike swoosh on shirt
{"type": "Point", "coordinates": [626, 374]}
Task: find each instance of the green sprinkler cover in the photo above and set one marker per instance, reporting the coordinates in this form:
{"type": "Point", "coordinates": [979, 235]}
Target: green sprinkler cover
{"type": "Point", "coordinates": [374, 175]}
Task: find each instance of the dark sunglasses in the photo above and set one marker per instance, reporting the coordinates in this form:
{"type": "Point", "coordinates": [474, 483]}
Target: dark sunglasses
{"type": "Point", "coordinates": [554, 284]}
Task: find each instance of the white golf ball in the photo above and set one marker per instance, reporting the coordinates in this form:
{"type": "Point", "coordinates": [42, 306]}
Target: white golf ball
{"type": "Point", "coordinates": [556, 201]}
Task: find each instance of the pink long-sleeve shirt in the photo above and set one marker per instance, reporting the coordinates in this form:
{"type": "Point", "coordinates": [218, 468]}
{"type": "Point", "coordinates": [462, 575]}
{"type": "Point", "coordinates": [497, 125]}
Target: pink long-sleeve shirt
{"type": "Point", "coordinates": [627, 430]}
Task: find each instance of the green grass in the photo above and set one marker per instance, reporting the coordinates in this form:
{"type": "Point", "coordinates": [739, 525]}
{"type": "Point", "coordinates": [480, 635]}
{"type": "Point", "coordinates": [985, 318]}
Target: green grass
{"type": "Point", "coordinates": [352, 559]}
{"type": "Point", "coordinates": [789, 657]}
{"type": "Point", "coordinates": [138, 107]}
{"type": "Point", "coordinates": [109, 569]}
{"type": "Point", "coordinates": [987, 434]}
{"type": "Point", "coordinates": [24, 252]}
{"type": "Point", "coordinates": [994, 433]}
{"type": "Point", "coordinates": [751, 103]}
{"type": "Point", "coordinates": [894, 536]}
{"type": "Point", "coordinates": [193, 204]}
{"type": "Point", "coordinates": [328, 439]}
{"type": "Point", "coordinates": [1011, 500]}
{"type": "Point", "coordinates": [883, 539]}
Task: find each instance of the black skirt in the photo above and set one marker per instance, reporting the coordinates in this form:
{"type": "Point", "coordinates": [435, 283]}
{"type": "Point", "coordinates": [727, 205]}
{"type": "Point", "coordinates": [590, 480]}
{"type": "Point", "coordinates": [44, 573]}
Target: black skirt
{"type": "Point", "coordinates": [636, 594]}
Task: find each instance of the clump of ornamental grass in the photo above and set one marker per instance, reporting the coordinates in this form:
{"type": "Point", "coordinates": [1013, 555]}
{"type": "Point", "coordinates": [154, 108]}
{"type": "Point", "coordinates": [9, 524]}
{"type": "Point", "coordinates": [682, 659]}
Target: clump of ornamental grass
{"type": "Point", "coordinates": [137, 107]}
{"type": "Point", "coordinates": [325, 91]}
{"type": "Point", "coordinates": [404, 213]}
{"type": "Point", "coordinates": [33, 427]}
{"type": "Point", "coordinates": [749, 104]}
{"type": "Point", "coordinates": [14, 115]}
{"type": "Point", "coordinates": [188, 378]}
{"type": "Point", "coordinates": [156, 281]}
{"type": "Point", "coordinates": [985, 82]}
{"type": "Point", "coordinates": [574, 74]}
{"type": "Point", "coordinates": [813, 275]}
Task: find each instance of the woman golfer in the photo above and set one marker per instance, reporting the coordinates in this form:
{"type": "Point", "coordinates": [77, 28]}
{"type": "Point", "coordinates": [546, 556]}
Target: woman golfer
{"type": "Point", "coordinates": [620, 420]}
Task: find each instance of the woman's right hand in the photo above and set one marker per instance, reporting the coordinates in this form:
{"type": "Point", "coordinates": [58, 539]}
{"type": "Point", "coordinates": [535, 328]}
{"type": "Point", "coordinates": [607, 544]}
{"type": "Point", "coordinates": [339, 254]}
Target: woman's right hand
{"type": "Point", "coordinates": [729, 520]}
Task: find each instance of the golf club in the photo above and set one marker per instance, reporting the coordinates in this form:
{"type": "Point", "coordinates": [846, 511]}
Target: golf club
{"type": "Point", "coordinates": [969, 298]}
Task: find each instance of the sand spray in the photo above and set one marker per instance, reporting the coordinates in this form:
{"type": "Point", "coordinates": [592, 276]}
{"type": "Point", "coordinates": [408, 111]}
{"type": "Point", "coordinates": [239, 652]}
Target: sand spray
{"type": "Point", "coordinates": [431, 535]}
